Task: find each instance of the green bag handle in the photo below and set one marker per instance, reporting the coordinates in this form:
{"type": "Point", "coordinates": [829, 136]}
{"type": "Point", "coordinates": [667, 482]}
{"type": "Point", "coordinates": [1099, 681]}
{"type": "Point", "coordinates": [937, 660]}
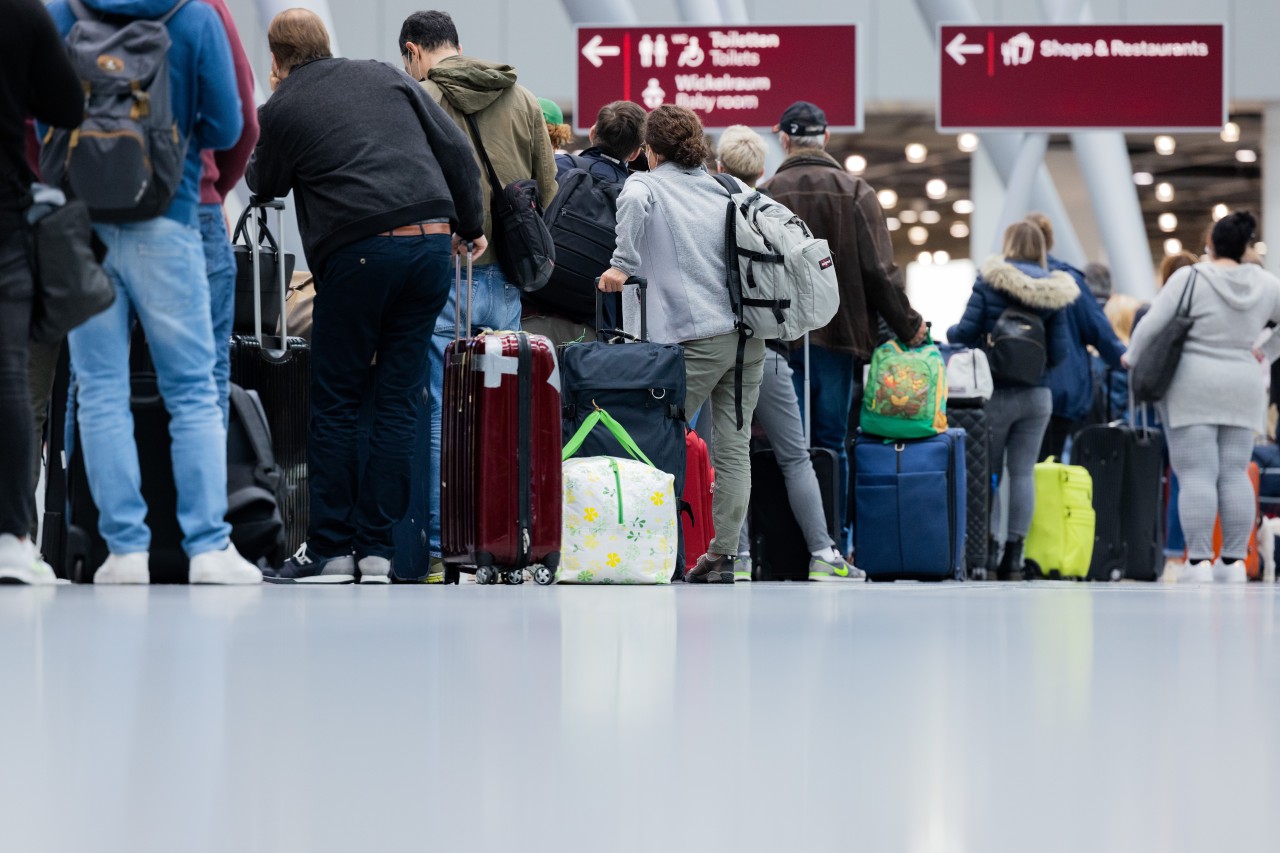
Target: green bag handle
{"type": "Point", "coordinates": [901, 346]}
{"type": "Point", "coordinates": [601, 417]}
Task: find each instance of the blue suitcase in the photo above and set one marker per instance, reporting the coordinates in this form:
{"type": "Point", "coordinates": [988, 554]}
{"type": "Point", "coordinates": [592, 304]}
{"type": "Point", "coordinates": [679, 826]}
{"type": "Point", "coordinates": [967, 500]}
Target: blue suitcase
{"type": "Point", "coordinates": [909, 507]}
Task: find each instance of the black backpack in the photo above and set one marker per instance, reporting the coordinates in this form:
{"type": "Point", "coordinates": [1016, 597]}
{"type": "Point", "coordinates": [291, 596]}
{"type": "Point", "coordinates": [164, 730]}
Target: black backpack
{"type": "Point", "coordinates": [1018, 348]}
{"type": "Point", "coordinates": [582, 219]}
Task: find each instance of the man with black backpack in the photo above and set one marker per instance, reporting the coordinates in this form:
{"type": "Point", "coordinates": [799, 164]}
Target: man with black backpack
{"type": "Point", "coordinates": [160, 88]}
{"type": "Point", "coordinates": [582, 220]}
{"type": "Point", "coordinates": [504, 120]}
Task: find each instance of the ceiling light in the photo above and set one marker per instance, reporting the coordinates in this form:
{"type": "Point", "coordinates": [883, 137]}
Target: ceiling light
{"type": "Point", "coordinates": [930, 217]}
{"type": "Point", "coordinates": [1168, 222]}
{"type": "Point", "coordinates": [959, 230]}
{"type": "Point", "coordinates": [941, 258]}
{"type": "Point", "coordinates": [893, 223]}
{"type": "Point", "coordinates": [918, 235]}
{"type": "Point", "coordinates": [1172, 246]}
{"type": "Point", "coordinates": [888, 199]}
{"type": "Point", "coordinates": [1166, 145]}
{"type": "Point", "coordinates": [925, 258]}
{"type": "Point", "coordinates": [916, 153]}
{"type": "Point", "coordinates": [909, 216]}
{"type": "Point", "coordinates": [1143, 179]}
{"type": "Point", "coordinates": [1219, 211]}
{"type": "Point", "coordinates": [963, 206]}
{"type": "Point", "coordinates": [1230, 132]}
{"type": "Point", "coordinates": [855, 163]}
{"type": "Point", "coordinates": [1247, 155]}
{"type": "Point", "coordinates": [1164, 192]}
{"type": "Point", "coordinates": [936, 189]}
{"type": "Point", "coordinates": [967, 142]}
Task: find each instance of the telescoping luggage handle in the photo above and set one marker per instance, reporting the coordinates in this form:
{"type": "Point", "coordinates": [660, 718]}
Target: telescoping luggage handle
{"type": "Point", "coordinates": [457, 284]}
{"type": "Point", "coordinates": [259, 206]}
{"type": "Point", "coordinates": [603, 334]}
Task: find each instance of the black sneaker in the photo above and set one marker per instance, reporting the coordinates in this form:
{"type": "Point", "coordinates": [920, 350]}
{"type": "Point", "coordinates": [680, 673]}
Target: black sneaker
{"type": "Point", "coordinates": [719, 570]}
{"type": "Point", "coordinates": [304, 567]}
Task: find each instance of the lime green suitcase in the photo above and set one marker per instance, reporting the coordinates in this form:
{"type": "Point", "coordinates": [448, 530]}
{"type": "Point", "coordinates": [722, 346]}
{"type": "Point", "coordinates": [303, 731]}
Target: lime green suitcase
{"type": "Point", "coordinates": [1062, 528]}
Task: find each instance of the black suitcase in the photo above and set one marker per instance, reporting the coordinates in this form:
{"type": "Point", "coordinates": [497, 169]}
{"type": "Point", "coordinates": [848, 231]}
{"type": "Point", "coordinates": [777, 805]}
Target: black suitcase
{"type": "Point", "coordinates": [978, 464]}
{"type": "Point", "coordinates": [53, 540]}
{"type": "Point", "coordinates": [279, 370]}
{"type": "Point", "coordinates": [1127, 467]}
{"type": "Point", "coordinates": [778, 549]}
{"type": "Point", "coordinates": [640, 384]}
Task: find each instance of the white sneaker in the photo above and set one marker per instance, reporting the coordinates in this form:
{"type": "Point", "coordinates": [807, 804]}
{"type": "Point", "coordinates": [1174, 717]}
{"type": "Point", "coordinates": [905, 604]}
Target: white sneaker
{"type": "Point", "coordinates": [1201, 572]}
{"type": "Point", "coordinates": [1233, 572]}
{"type": "Point", "coordinates": [224, 567]}
{"type": "Point", "coordinates": [132, 568]}
{"type": "Point", "coordinates": [374, 569]}
{"type": "Point", "coordinates": [20, 564]}
{"type": "Point", "coordinates": [1173, 568]}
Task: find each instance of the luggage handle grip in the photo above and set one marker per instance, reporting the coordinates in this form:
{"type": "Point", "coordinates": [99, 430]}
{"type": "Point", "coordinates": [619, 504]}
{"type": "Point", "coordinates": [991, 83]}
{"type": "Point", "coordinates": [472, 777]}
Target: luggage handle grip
{"type": "Point", "coordinates": [602, 333]}
{"type": "Point", "coordinates": [457, 303]}
{"type": "Point", "coordinates": [258, 207]}
{"type": "Point", "coordinates": [602, 418]}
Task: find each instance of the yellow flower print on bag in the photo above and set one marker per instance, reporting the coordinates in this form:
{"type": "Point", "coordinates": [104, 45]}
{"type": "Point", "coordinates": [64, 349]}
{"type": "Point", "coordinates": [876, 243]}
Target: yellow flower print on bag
{"type": "Point", "coordinates": [658, 499]}
{"type": "Point", "coordinates": [590, 513]}
{"type": "Point", "coordinates": [613, 561]}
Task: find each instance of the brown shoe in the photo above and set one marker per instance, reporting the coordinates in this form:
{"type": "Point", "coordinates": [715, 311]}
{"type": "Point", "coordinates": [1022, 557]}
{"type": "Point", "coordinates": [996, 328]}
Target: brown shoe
{"type": "Point", "coordinates": [719, 570]}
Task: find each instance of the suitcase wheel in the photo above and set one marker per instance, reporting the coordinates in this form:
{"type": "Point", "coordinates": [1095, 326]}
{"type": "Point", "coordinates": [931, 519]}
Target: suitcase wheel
{"type": "Point", "coordinates": [515, 577]}
{"type": "Point", "coordinates": [544, 575]}
{"type": "Point", "coordinates": [486, 575]}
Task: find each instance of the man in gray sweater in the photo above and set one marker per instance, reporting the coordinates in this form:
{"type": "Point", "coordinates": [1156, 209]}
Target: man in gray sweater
{"type": "Point", "coordinates": [382, 178]}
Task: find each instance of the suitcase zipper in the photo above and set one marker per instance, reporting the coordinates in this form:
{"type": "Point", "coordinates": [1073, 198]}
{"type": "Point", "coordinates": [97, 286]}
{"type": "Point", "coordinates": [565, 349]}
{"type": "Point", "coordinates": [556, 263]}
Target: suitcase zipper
{"type": "Point", "coordinates": [525, 465]}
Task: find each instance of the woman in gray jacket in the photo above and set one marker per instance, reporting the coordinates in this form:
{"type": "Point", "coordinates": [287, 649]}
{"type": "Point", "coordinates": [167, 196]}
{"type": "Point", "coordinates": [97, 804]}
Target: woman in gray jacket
{"type": "Point", "coordinates": [671, 231]}
{"type": "Point", "coordinates": [1217, 401]}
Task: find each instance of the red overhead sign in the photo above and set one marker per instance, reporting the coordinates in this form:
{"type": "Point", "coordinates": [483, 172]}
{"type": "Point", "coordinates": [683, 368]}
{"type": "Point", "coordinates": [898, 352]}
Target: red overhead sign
{"type": "Point", "coordinates": [1087, 76]}
{"type": "Point", "coordinates": [727, 75]}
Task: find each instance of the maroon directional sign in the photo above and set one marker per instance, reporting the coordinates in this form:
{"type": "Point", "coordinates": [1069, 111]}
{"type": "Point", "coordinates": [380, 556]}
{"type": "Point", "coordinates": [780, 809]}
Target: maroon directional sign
{"type": "Point", "coordinates": [1116, 77]}
{"type": "Point", "coordinates": [727, 75]}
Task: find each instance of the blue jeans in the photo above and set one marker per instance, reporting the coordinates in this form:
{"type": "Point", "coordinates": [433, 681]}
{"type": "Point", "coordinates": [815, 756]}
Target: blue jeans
{"type": "Point", "coordinates": [1175, 544]}
{"type": "Point", "coordinates": [378, 296]}
{"type": "Point", "coordinates": [495, 305]}
{"type": "Point", "coordinates": [220, 266]}
{"type": "Point", "coordinates": [832, 385]}
{"type": "Point", "coordinates": [159, 273]}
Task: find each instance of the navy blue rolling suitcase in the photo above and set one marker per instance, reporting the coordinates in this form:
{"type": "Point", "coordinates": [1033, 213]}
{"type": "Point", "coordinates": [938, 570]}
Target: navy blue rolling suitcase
{"type": "Point", "coordinates": [909, 507]}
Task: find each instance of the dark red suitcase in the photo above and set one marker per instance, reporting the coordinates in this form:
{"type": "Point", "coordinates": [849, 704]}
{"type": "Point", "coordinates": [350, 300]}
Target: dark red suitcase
{"type": "Point", "coordinates": [500, 484]}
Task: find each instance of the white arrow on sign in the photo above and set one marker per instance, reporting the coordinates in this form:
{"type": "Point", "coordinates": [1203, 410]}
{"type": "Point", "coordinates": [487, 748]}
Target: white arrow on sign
{"type": "Point", "coordinates": [593, 50]}
{"type": "Point", "coordinates": [957, 49]}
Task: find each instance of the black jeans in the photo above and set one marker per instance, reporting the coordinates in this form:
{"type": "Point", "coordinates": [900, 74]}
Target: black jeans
{"type": "Point", "coordinates": [17, 454]}
{"type": "Point", "coordinates": [376, 297]}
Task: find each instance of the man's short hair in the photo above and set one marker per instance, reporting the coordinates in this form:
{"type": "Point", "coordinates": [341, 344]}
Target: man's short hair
{"type": "Point", "coordinates": [814, 142]}
{"type": "Point", "coordinates": [428, 30]}
{"type": "Point", "coordinates": [741, 153]}
{"type": "Point", "coordinates": [296, 36]}
{"type": "Point", "coordinates": [620, 129]}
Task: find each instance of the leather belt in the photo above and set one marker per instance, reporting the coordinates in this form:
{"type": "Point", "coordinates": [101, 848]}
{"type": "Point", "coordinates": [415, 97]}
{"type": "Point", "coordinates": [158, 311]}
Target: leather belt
{"type": "Point", "coordinates": [420, 229]}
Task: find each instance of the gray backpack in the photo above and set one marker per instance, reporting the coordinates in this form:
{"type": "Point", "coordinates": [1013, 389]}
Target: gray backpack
{"type": "Point", "coordinates": [125, 160]}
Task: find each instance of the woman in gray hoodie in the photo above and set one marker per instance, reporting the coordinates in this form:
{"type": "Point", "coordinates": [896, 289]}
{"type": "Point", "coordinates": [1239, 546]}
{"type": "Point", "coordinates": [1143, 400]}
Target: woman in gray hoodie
{"type": "Point", "coordinates": [671, 231]}
{"type": "Point", "coordinates": [1217, 401]}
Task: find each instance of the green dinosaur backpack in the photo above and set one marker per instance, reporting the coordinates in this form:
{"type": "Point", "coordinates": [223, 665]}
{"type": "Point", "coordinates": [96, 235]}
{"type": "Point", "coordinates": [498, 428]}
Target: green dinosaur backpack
{"type": "Point", "coordinates": [906, 393]}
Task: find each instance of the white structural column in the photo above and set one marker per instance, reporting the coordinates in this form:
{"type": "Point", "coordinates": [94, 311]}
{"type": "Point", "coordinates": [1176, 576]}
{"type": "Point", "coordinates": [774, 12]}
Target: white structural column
{"type": "Point", "coordinates": [733, 12]}
{"type": "Point", "coordinates": [601, 11]}
{"type": "Point", "coordinates": [700, 11]}
{"type": "Point", "coordinates": [1003, 148]}
{"type": "Point", "coordinates": [1271, 184]}
{"type": "Point", "coordinates": [1021, 183]}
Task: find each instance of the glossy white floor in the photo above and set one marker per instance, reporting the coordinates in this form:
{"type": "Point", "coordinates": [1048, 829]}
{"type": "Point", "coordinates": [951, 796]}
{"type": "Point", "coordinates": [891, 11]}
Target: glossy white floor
{"type": "Point", "coordinates": [792, 717]}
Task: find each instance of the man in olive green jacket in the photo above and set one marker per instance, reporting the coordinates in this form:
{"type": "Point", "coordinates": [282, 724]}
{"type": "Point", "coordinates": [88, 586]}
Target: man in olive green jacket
{"type": "Point", "coordinates": [514, 132]}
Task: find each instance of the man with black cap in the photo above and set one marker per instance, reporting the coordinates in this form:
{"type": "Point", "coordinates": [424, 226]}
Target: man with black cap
{"type": "Point", "coordinates": [842, 209]}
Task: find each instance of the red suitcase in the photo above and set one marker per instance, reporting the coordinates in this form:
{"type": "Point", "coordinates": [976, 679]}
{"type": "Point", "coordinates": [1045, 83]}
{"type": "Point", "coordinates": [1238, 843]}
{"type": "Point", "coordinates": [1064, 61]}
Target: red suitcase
{"type": "Point", "coordinates": [500, 495]}
{"type": "Point", "coordinates": [699, 482]}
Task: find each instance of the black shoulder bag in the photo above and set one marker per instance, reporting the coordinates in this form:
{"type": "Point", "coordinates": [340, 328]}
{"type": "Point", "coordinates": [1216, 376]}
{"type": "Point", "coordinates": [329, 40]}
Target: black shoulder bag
{"type": "Point", "coordinates": [1151, 377]}
{"type": "Point", "coordinates": [525, 249]}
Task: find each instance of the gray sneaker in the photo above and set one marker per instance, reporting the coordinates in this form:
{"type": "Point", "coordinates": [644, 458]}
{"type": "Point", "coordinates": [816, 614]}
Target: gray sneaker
{"type": "Point", "coordinates": [374, 569]}
{"type": "Point", "coordinates": [839, 569]}
{"type": "Point", "coordinates": [305, 567]}
{"type": "Point", "coordinates": [742, 570]}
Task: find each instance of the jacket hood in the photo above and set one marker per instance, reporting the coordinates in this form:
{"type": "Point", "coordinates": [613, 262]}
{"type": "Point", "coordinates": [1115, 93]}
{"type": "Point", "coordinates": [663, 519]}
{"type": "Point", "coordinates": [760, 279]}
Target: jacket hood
{"type": "Point", "coordinates": [471, 84]}
{"type": "Point", "coordinates": [1031, 284]}
{"type": "Point", "coordinates": [132, 8]}
{"type": "Point", "coordinates": [1241, 287]}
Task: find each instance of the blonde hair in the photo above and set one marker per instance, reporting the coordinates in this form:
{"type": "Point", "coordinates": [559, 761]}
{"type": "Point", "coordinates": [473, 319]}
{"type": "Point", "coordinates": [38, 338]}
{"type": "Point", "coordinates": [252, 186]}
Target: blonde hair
{"type": "Point", "coordinates": [1042, 222]}
{"type": "Point", "coordinates": [1121, 309]}
{"type": "Point", "coordinates": [296, 36]}
{"type": "Point", "coordinates": [741, 153]}
{"type": "Point", "coordinates": [1023, 241]}
{"type": "Point", "coordinates": [561, 135]}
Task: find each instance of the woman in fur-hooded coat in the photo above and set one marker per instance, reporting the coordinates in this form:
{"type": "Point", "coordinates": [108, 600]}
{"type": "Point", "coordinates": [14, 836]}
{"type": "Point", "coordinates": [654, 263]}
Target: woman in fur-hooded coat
{"type": "Point", "coordinates": [1018, 414]}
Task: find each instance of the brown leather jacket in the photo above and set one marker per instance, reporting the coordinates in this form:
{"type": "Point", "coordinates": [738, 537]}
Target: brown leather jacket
{"type": "Point", "coordinates": [843, 209]}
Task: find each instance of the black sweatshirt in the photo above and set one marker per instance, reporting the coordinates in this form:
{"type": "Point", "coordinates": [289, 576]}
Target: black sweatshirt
{"type": "Point", "coordinates": [365, 150]}
{"type": "Point", "coordinates": [36, 78]}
